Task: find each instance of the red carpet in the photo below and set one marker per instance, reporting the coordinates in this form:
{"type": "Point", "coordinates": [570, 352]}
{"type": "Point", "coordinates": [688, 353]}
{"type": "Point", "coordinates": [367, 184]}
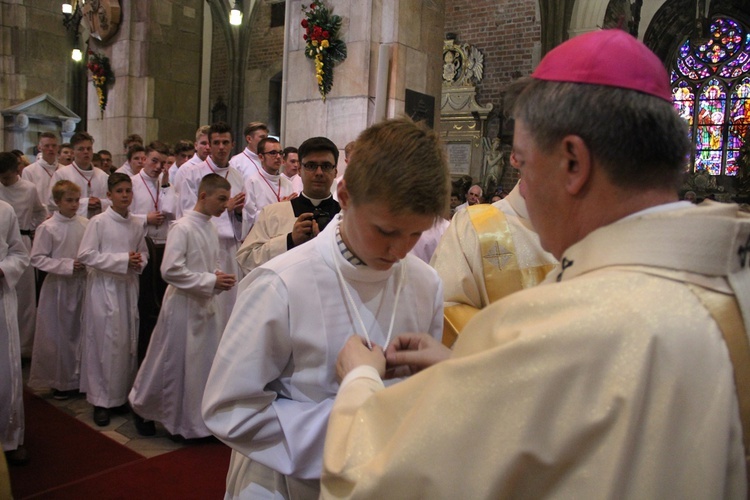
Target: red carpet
{"type": "Point", "coordinates": [197, 471]}
{"type": "Point", "coordinates": [62, 450]}
{"type": "Point", "coordinates": [71, 460]}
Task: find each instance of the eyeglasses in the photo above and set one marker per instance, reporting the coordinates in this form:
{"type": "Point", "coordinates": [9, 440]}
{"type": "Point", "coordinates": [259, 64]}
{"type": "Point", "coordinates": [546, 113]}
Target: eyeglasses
{"type": "Point", "coordinates": [272, 153]}
{"type": "Point", "coordinates": [311, 166]}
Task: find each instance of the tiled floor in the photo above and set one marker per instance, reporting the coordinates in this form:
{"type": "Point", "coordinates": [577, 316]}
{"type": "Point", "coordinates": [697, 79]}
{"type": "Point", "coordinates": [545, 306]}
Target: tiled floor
{"type": "Point", "coordinates": [120, 428]}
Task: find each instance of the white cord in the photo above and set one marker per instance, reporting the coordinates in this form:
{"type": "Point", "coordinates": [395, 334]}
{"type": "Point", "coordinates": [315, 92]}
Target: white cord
{"type": "Point", "coordinates": [353, 305]}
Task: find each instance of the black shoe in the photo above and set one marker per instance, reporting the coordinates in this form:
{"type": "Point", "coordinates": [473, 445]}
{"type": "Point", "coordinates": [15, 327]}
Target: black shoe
{"type": "Point", "coordinates": [101, 416]}
{"type": "Point", "coordinates": [203, 440]}
{"type": "Point", "coordinates": [62, 395]}
{"type": "Point", "coordinates": [121, 410]}
{"type": "Point", "coordinates": [177, 438]}
{"type": "Point", "coordinates": [19, 456]}
{"type": "Point", "coordinates": [144, 427]}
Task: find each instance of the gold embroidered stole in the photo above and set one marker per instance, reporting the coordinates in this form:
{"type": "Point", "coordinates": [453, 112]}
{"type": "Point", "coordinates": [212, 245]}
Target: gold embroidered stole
{"type": "Point", "coordinates": [502, 275]}
{"type": "Point", "coordinates": [726, 312]}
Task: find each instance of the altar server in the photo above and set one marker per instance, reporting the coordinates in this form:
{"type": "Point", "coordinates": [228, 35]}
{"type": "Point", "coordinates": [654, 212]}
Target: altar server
{"type": "Point", "coordinates": [170, 382]}
{"type": "Point", "coordinates": [114, 250]}
{"type": "Point", "coordinates": [273, 379]}
{"type": "Point", "coordinates": [14, 258]}
{"type": "Point", "coordinates": [56, 358]}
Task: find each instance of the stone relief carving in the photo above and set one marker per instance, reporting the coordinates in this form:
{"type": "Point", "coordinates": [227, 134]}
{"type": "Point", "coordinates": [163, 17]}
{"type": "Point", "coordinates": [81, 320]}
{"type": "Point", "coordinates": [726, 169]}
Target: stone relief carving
{"type": "Point", "coordinates": [463, 64]}
{"type": "Point", "coordinates": [462, 119]}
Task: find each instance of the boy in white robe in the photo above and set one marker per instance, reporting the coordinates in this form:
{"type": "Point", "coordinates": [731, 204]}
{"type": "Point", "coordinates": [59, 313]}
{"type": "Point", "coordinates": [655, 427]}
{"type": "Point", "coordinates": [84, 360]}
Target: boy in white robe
{"type": "Point", "coordinates": [14, 258]}
{"type": "Point", "coordinates": [273, 379]}
{"type": "Point", "coordinates": [22, 196]}
{"type": "Point", "coordinates": [264, 184]}
{"type": "Point", "coordinates": [153, 202]}
{"type": "Point", "coordinates": [114, 250]}
{"type": "Point", "coordinates": [229, 225]}
{"type": "Point", "coordinates": [92, 181]}
{"type": "Point", "coordinates": [41, 171]}
{"type": "Point", "coordinates": [170, 382]}
{"type": "Point", "coordinates": [56, 358]}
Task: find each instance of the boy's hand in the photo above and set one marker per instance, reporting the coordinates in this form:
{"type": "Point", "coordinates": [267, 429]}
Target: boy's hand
{"type": "Point", "coordinates": [355, 353]}
{"type": "Point", "coordinates": [94, 203]}
{"type": "Point", "coordinates": [236, 203]}
{"type": "Point", "coordinates": [155, 219]}
{"type": "Point", "coordinates": [78, 266]}
{"type": "Point", "coordinates": [224, 281]}
{"type": "Point", "coordinates": [134, 260]}
{"type": "Point", "coordinates": [290, 197]}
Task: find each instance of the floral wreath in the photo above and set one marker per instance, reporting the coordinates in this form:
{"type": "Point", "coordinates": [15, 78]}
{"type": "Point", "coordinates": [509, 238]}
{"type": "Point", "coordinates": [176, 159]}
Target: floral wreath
{"type": "Point", "coordinates": [322, 43]}
{"type": "Point", "coordinates": [102, 76]}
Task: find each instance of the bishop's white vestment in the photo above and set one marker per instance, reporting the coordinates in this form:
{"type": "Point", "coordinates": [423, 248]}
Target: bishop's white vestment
{"type": "Point", "coordinates": [613, 383]}
{"type": "Point", "coordinates": [110, 310]}
{"type": "Point", "coordinates": [14, 258]}
{"type": "Point", "coordinates": [56, 358]}
{"type": "Point", "coordinates": [170, 382]}
{"type": "Point", "coordinates": [273, 380]}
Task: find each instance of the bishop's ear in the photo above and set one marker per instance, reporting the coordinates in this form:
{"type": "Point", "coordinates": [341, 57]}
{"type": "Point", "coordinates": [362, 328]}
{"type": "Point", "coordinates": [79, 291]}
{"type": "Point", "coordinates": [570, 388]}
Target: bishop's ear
{"type": "Point", "coordinates": [578, 163]}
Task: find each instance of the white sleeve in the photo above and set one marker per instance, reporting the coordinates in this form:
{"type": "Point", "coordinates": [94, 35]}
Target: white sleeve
{"type": "Point", "coordinates": [241, 405]}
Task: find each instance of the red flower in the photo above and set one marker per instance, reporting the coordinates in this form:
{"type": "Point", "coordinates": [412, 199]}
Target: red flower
{"type": "Point", "coordinates": [304, 37]}
{"type": "Point", "coordinates": [325, 34]}
{"type": "Point", "coordinates": [304, 23]}
{"type": "Point", "coordinates": [313, 5]}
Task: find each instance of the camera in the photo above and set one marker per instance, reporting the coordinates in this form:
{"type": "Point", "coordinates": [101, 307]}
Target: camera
{"type": "Point", "coordinates": [321, 217]}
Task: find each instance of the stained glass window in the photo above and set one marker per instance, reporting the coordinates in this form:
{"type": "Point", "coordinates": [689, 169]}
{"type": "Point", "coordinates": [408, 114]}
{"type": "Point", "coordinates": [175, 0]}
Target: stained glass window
{"type": "Point", "coordinates": [711, 91]}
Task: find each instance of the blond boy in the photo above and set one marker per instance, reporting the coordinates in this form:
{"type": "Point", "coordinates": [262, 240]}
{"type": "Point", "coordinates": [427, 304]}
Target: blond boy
{"type": "Point", "coordinates": [273, 380]}
{"type": "Point", "coordinates": [57, 342]}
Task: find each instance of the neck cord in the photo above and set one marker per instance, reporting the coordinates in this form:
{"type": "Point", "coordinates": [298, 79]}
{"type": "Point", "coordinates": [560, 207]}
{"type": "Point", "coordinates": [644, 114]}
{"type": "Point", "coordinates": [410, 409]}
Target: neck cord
{"type": "Point", "coordinates": [276, 193]}
{"type": "Point", "coordinates": [87, 179]}
{"type": "Point", "coordinates": [209, 161]}
{"type": "Point", "coordinates": [154, 199]}
{"type": "Point", "coordinates": [353, 305]}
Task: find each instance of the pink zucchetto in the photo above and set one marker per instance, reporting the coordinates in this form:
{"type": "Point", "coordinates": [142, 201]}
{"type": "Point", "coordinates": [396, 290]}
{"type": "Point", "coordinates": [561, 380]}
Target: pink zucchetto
{"type": "Point", "coordinates": [608, 57]}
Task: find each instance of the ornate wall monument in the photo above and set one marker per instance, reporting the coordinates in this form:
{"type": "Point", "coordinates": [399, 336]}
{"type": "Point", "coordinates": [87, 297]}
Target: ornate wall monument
{"type": "Point", "coordinates": [24, 122]}
{"type": "Point", "coordinates": [462, 119]}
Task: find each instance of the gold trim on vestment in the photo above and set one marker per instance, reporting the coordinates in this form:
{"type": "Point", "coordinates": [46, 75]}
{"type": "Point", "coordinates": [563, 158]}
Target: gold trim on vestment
{"type": "Point", "coordinates": [726, 312]}
{"type": "Point", "coordinates": [502, 275]}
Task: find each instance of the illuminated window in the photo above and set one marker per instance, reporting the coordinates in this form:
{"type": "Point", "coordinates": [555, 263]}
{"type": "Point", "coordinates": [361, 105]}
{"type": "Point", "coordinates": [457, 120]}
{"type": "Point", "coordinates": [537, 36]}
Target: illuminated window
{"type": "Point", "coordinates": [711, 91]}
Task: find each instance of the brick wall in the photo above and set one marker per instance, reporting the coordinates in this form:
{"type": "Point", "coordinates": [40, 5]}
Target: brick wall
{"type": "Point", "coordinates": [267, 43]}
{"type": "Point", "coordinates": [506, 33]}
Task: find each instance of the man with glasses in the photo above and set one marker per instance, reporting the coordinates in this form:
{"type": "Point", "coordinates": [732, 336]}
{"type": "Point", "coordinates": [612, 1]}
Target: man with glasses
{"type": "Point", "coordinates": [265, 185]}
{"type": "Point", "coordinates": [283, 226]}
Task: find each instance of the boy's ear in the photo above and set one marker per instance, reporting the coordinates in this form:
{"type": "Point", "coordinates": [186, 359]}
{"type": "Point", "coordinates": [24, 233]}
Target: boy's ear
{"type": "Point", "coordinates": [343, 194]}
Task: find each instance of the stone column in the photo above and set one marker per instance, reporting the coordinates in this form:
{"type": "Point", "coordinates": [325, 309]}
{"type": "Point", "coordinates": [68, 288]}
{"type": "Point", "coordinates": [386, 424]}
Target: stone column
{"type": "Point", "coordinates": [412, 29]}
{"type": "Point", "coordinates": [155, 56]}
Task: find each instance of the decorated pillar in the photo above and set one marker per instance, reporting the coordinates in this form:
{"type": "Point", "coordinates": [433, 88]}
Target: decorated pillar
{"type": "Point", "coordinates": [392, 66]}
{"type": "Point", "coordinates": [148, 77]}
